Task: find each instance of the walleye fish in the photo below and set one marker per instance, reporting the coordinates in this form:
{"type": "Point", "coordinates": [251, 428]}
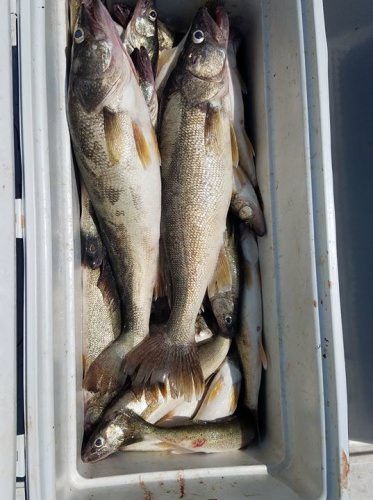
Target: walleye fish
{"type": "Point", "coordinates": [118, 158]}
{"type": "Point", "coordinates": [125, 427]}
{"type": "Point", "coordinates": [249, 337]}
{"type": "Point", "coordinates": [197, 185]}
{"type": "Point", "coordinates": [144, 70]}
{"type": "Point", "coordinates": [245, 202]}
{"type": "Point", "coordinates": [142, 30]}
{"type": "Point", "coordinates": [101, 307]}
{"type": "Point", "coordinates": [245, 148]}
{"type": "Point", "coordinates": [223, 290]}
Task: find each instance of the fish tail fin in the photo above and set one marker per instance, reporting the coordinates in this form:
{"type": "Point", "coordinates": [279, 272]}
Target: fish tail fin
{"type": "Point", "coordinates": [157, 359]}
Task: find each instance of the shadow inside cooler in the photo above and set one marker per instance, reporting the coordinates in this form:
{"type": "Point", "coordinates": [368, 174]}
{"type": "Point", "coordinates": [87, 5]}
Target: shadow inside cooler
{"type": "Point", "coordinates": [289, 407]}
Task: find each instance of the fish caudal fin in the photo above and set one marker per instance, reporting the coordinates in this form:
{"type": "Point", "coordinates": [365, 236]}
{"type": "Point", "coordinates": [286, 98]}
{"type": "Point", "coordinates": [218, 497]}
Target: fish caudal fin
{"type": "Point", "coordinates": [157, 359]}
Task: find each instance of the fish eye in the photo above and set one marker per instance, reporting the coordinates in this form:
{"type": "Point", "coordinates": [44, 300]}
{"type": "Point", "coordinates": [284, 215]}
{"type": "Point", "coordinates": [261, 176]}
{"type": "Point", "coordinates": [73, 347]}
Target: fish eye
{"type": "Point", "coordinates": [92, 248]}
{"type": "Point", "coordinates": [153, 15]}
{"type": "Point", "coordinates": [228, 320]}
{"type": "Point", "coordinates": [79, 35]}
{"type": "Point", "coordinates": [198, 36]}
{"type": "Point", "coordinates": [99, 442]}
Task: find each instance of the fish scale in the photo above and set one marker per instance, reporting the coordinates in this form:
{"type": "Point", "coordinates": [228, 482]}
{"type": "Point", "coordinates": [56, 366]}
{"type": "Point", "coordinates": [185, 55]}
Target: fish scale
{"type": "Point", "coordinates": [118, 158]}
{"type": "Point", "coordinates": [195, 146]}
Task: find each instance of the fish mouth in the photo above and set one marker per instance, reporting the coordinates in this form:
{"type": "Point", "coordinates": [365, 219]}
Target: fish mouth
{"type": "Point", "coordinates": [217, 20]}
{"type": "Point", "coordinates": [93, 16]}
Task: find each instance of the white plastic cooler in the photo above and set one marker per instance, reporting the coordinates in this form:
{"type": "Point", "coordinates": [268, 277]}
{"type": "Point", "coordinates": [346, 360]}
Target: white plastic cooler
{"type": "Point", "coordinates": [304, 452]}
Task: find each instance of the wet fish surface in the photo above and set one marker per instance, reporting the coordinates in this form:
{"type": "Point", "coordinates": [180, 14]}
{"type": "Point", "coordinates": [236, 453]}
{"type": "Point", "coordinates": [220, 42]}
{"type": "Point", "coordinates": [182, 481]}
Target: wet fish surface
{"type": "Point", "coordinates": [118, 158]}
{"type": "Point", "coordinates": [197, 185]}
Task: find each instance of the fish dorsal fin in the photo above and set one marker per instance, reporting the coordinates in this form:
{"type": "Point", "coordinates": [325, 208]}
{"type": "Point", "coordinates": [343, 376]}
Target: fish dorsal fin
{"type": "Point", "coordinates": [113, 135]}
{"type": "Point", "coordinates": [142, 145]}
{"type": "Point", "coordinates": [234, 147]}
{"type": "Point", "coordinates": [263, 356]}
{"type": "Point", "coordinates": [222, 280]}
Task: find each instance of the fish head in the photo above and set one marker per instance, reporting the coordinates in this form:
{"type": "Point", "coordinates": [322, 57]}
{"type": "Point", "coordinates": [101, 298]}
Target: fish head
{"type": "Point", "coordinates": [224, 311]}
{"type": "Point", "coordinates": [144, 19]}
{"type": "Point", "coordinates": [98, 66]}
{"type": "Point", "coordinates": [205, 49]}
{"type": "Point", "coordinates": [105, 440]}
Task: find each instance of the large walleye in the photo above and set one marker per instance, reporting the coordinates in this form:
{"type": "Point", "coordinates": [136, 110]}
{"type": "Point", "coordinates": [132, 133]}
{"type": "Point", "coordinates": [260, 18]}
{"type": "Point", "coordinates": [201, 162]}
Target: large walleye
{"type": "Point", "coordinates": [249, 337]}
{"type": "Point", "coordinates": [197, 185]}
{"type": "Point", "coordinates": [100, 309]}
{"type": "Point", "coordinates": [118, 158]}
{"type": "Point", "coordinates": [125, 427]}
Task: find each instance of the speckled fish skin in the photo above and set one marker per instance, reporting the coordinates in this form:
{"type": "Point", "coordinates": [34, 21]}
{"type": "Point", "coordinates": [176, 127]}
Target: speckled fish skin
{"type": "Point", "coordinates": [100, 300]}
{"type": "Point", "coordinates": [249, 337]}
{"type": "Point", "coordinates": [118, 158]}
{"type": "Point", "coordinates": [143, 65]}
{"type": "Point", "coordinates": [223, 294]}
{"type": "Point", "coordinates": [142, 30]}
{"type": "Point", "coordinates": [165, 37]}
{"type": "Point", "coordinates": [125, 427]}
{"type": "Point", "coordinates": [197, 185]}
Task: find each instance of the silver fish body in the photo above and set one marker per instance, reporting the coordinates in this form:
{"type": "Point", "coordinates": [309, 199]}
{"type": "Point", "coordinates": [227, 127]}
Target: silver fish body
{"type": "Point", "coordinates": [197, 185]}
{"type": "Point", "coordinates": [118, 158]}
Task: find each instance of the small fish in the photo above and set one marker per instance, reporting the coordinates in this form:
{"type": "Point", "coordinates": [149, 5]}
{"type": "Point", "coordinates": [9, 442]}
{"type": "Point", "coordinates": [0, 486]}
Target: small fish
{"type": "Point", "coordinates": [118, 159]}
{"type": "Point", "coordinates": [142, 30]}
{"type": "Point", "coordinates": [221, 397]}
{"type": "Point", "coordinates": [100, 303]}
{"type": "Point", "coordinates": [249, 337]}
{"type": "Point", "coordinates": [196, 191]}
{"type": "Point", "coordinates": [245, 148]}
{"type": "Point", "coordinates": [125, 428]}
{"type": "Point", "coordinates": [245, 202]}
{"type": "Point", "coordinates": [144, 70]}
{"type": "Point", "coordinates": [223, 289]}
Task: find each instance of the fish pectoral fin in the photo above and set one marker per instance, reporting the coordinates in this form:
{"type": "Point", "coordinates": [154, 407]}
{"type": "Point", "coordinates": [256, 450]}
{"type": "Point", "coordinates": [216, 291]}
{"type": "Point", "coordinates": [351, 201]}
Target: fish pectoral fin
{"type": "Point", "coordinates": [113, 127]}
{"type": "Point", "coordinates": [213, 126]}
{"type": "Point", "coordinates": [263, 356]}
{"type": "Point", "coordinates": [234, 146]}
{"type": "Point", "coordinates": [142, 145]}
{"type": "Point", "coordinates": [222, 281]}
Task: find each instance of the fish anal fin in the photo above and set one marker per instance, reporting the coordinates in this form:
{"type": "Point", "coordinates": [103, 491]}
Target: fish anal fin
{"type": "Point", "coordinates": [142, 145]}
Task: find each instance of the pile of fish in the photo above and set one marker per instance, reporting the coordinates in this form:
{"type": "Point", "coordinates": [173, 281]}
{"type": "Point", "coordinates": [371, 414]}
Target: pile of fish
{"type": "Point", "coordinates": [172, 308]}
